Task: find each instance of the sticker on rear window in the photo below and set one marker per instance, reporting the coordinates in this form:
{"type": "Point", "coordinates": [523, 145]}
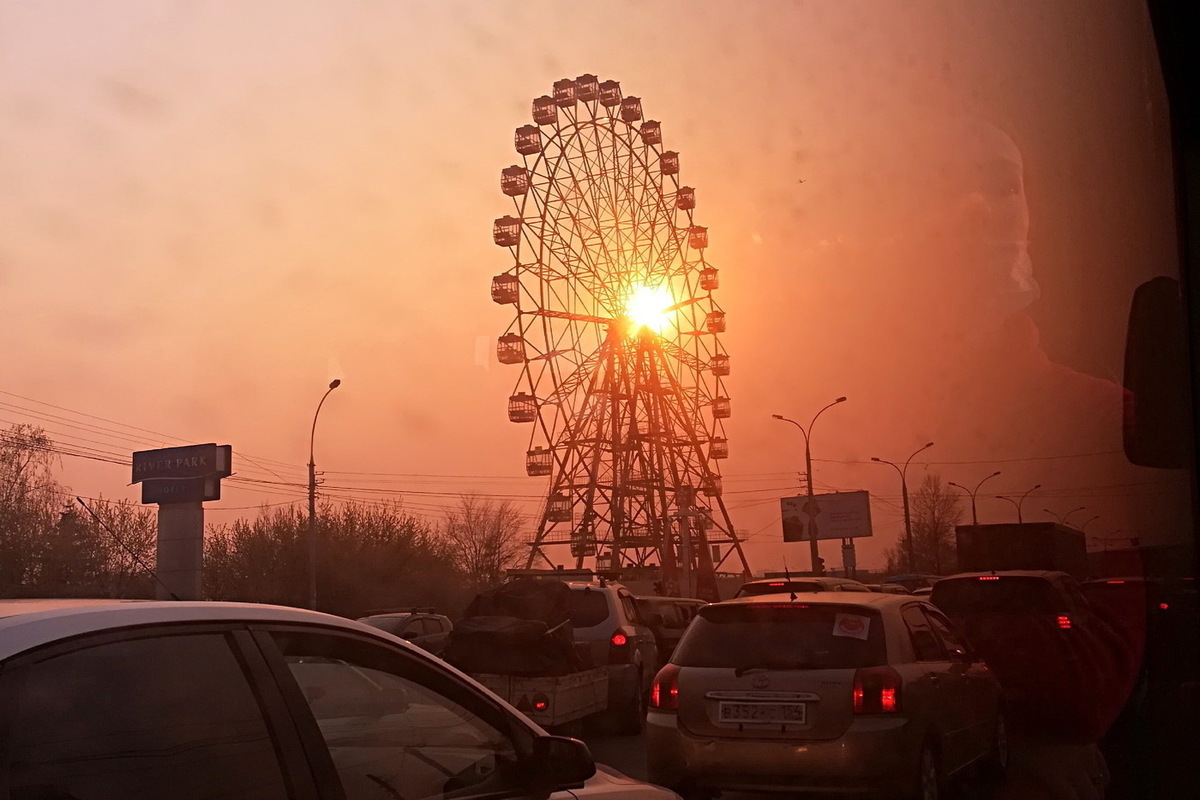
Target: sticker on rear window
{"type": "Point", "coordinates": [854, 626]}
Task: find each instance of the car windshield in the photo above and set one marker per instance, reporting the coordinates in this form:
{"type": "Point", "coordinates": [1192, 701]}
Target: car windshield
{"type": "Point", "coordinates": [777, 587]}
{"type": "Point", "coordinates": [783, 636]}
{"type": "Point", "coordinates": [1005, 595]}
{"type": "Point", "coordinates": [588, 608]}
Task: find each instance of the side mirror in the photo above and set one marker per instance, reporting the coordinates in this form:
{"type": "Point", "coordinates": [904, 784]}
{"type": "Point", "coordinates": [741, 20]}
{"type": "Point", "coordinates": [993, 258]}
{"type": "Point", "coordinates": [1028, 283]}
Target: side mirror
{"type": "Point", "coordinates": [1157, 413]}
{"type": "Point", "coordinates": [560, 763]}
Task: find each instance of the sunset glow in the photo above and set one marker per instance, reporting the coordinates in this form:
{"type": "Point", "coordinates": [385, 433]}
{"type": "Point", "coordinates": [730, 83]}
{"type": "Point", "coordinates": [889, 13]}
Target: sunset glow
{"type": "Point", "coordinates": [648, 306]}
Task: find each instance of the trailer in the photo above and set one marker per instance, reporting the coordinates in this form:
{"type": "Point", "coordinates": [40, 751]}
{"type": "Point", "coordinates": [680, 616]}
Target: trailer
{"type": "Point", "coordinates": [559, 703]}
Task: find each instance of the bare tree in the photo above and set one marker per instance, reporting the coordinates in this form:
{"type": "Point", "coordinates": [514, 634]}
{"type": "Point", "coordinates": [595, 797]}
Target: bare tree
{"type": "Point", "coordinates": [484, 538]}
{"type": "Point", "coordinates": [935, 510]}
{"type": "Point", "coordinates": [30, 500]}
{"type": "Point", "coordinates": [371, 556]}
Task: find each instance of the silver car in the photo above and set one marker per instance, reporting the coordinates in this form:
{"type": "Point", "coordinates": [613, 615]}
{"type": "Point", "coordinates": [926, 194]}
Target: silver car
{"type": "Point", "coordinates": [609, 626]}
{"type": "Point", "coordinates": [150, 700]}
{"type": "Point", "coordinates": [829, 692]}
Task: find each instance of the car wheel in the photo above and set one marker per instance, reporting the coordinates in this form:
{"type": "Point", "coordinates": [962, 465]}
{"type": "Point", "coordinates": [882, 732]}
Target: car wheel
{"type": "Point", "coordinates": [631, 717]}
{"type": "Point", "coordinates": [997, 760]}
{"type": "Point", "coordinates": [929, 778]}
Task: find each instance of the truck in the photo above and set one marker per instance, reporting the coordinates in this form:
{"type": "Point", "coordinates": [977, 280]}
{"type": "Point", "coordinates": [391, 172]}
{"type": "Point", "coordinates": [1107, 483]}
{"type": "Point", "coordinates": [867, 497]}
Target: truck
{"type": "Point", "coordinates": [1022, 546]}
{"type": "Point", "coordinates": [517, 640]}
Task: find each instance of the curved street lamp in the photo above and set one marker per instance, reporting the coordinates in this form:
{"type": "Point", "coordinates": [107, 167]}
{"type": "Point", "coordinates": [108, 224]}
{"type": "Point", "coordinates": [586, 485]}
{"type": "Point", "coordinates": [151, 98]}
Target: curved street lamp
{"type": "Point", "coordinates": [1019, 504]}
{"type": "Point", "coordinates": [908, 538]}
{"type": "Point", "coordinates": [974, 515]}
{"type": "Point", "coordinates": [814, 556]}
{"type": "Point", "coordinates": [1063, 519]}
{"type": "Point", "coordinates": [312, 501]}
{"type": "Point", "coordinates": [1083, 527]}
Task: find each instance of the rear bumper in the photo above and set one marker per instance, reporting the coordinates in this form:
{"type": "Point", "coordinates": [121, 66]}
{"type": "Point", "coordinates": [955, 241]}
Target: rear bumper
{"type": "Point", "coordinates": [876, 756]}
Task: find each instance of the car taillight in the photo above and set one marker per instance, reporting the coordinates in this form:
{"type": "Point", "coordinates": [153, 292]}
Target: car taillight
{"type": "Point", "coordinates": [1064, 622]}
{"type": "Point", "coordinates": [620, 649]}
{"type": "Point", "coordinates": [876, 690]}
{"type": "Point", "coordinates": [989, 577]}
{"type": "Point", "coordinates": [664, 692]}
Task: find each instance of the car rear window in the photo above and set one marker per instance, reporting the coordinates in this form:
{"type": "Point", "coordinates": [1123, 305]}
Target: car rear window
{"type": "Point", "coordinates": [996, 594]}
{"type": "Point", "coordinates": [797, 636]}
{"type": "Point", "coordinates": [588, 608]}
{"type": "Point", "coordinates": [778, 587]}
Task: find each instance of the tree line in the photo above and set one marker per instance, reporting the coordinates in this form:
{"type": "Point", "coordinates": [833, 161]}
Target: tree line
{"type": "Point", "coordinates": [371, 556]}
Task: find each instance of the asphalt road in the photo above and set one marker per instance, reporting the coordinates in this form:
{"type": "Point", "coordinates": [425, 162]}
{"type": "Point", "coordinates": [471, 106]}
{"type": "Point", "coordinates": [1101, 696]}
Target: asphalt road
{"type": "Point", "coordinates": [628, 755]}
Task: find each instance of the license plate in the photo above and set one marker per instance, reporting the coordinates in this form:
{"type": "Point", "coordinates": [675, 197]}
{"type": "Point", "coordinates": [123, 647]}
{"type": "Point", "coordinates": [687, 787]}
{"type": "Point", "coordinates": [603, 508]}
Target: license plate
{"type": "Point", "coordinates": [793, 713]}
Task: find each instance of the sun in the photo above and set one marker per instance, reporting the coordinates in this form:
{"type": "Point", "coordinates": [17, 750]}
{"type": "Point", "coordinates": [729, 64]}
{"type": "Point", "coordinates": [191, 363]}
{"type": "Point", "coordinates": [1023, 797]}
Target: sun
{"type": "Point", "coordinates": [649, 307]}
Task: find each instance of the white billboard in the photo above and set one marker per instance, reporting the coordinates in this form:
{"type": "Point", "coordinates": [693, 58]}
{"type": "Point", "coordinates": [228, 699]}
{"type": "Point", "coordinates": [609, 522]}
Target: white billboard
{"type": "Point", "coordinates": [839, 515]}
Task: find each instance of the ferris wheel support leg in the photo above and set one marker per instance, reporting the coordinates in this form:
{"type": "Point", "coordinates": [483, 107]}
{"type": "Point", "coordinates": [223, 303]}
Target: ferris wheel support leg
{"type": "Point", "coordinates": [737, 544]}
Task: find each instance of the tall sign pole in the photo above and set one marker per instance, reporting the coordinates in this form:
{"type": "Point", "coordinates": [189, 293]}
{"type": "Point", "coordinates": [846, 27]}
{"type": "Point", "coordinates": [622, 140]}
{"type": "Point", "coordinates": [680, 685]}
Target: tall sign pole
{"type": "Point", "coordinates": [180, 480]}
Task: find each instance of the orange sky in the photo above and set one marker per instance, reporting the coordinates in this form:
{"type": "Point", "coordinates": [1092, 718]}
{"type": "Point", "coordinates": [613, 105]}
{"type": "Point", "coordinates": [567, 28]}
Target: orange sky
{"type": "Point", "coordinates": [209, 210]}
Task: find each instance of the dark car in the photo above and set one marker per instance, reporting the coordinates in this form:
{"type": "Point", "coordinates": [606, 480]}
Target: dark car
{"type": "Point", "coordinates": [1064, 670]}
{"type": "Point", "coordinates": [675, 614]}
{"type": "Point", "coordinates": [422, 627]}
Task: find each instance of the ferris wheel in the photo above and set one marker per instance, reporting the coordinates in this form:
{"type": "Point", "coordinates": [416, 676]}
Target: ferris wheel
{"type": "Point", "coordinates": [616, 335]}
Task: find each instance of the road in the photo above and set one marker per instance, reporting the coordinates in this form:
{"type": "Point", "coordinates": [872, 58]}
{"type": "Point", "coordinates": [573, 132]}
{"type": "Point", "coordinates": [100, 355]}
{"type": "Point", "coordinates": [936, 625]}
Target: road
{"type": "Point", "coordinates": [627, 754]}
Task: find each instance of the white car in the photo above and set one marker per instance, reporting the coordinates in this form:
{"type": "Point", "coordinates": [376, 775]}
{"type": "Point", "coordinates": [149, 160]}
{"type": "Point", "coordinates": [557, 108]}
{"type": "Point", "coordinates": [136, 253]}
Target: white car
{"type": "Point", "coordinates": [136, 699]}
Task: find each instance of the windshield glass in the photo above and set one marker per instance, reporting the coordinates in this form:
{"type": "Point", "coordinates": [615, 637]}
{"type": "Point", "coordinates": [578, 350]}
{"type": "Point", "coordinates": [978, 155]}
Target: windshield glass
{"type": "Point", "coordinates": [588, 608]}
{"type": "Point", "coordinates": [800, 637]}
{"type": "Point", "coordinates": [966, 596]}
{"type": "Point", "coordinates": [777, 587]}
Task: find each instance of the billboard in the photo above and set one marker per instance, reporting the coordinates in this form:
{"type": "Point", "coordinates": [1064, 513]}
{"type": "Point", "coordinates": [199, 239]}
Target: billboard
{"type": "Point", "coordinates": [839, 515]}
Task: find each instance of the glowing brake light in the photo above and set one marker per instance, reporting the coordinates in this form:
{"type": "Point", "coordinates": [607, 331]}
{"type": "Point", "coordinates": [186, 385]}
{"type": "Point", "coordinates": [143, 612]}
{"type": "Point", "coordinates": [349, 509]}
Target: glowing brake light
{"type": "Point", "coordinates": [664, 692]}
{"type": "Point", "coordinates": [619, 639]}
{"type": "Point", "coordinates": [1115, 583]}
{"type": "Point", "coordinates": [989, 577]}
{"type": "Point", "coordinates": [1064, 622]}
{"type": "Point", "coordinates": [1163, 606]}
{"type": "Point", "coordinates": [776, 583]}
{"type": "Point", "coordinates": [876, 690]}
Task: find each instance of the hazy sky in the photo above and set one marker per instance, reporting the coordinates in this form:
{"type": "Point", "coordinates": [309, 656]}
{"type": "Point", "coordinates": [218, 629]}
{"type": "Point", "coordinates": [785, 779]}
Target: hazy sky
{"type": "Point", "coordinates": [210, 209]}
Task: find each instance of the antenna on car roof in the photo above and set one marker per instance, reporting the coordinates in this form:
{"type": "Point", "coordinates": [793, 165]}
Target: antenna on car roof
{"type": "Point", "coordinates": [787, 575]}
{"type": "Point", "coordinates": [126, 548]}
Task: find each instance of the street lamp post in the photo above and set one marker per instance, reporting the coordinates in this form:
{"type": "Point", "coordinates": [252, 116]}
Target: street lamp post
{"type": "Point", "coordinates": [814, 555]}
{"type": "Point", "coordinates": [974, 515]}
{"type": "Point", "coordinates": [1063, 519]}
{"type": "Point", "coordinates": [1019, 504]}
{"type": "Point", "coordinates": [908, 537]}
{"type": "Point", "coordinates": [312, 502]}
{"type": "Point", "coordinates": [1083, 527]}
